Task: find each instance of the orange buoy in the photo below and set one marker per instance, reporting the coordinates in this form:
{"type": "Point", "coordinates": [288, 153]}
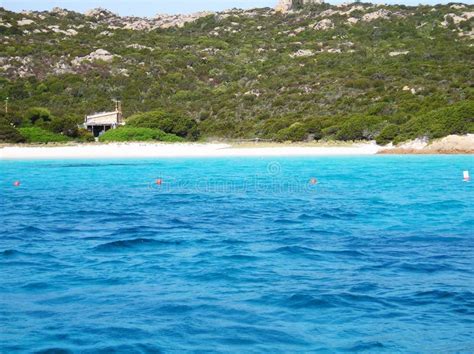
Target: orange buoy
{"type": "Point", "coordinates": [17, 183]}
{"type": "Point", "coordinates": [313, 181]}
{"type": "Point", "coordinates": [159, 181]}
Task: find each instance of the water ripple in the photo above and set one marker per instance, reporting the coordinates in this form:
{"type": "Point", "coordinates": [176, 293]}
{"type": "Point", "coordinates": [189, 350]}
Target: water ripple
{"type": "Point", "coordinates": [376, 258]}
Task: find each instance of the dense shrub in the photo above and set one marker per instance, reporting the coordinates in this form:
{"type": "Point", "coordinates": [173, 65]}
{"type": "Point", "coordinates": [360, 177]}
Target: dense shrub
{"type": "Point", "coordinates": [172, 123]}
{"type": "Point", "coordinates": [39, 135]}
{"type": "Point", "coordinates": [313, 127]}
{"type": "Point", "coordinates": [295, 132]}
{"type": "Point", "coordinates": [38, 115]}
{"type": "Point", "coordinates": [388, 134]}
{"type": "Point", "coordinates": [454, 119]}
{"type": "Point", "coordinates": [65, 126]}
{"type": "Point", "coordinates": [9, 134]}
{"type": "Point", "coordinates": [84, 135]}
{"type": "Point", "coordinates": [138, 134]}
{"type": "Point", "coordinates": [360, 127]}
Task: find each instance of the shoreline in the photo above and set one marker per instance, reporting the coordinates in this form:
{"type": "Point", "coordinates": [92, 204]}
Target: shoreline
{"type": "Point", "coordinates": [179, 150]}
{"type": "Point", "coordinates": [449, 145]}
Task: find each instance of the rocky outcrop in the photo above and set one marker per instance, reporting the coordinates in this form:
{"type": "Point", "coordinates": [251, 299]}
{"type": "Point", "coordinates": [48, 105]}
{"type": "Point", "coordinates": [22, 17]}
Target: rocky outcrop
{"type": "Point", "coordinates": [302, 53]}
{"type": "Point", "coordinates": [457, 19]}
{"type": "Point", "coordinates": [25, 22]}
{"type": "Point", "coordinates": [287, 5]}
{"type": "Point", "coordinates": [397, 53]}
{"type": "Point", "coordinates": [452, 144]}
{"type": "Point", "coordinates": [323, 25]}
{"type": "Point", "coordinates": [112, 20]}
{"type": "Point", "coordinates": [100, 13]}
{"type": "Point", "coordinates": [284, 5]}
{"type": "Point", "coordinates": [60, 12]}
{"type": "Point", "coordinates": [99, 54]}
{"type": "Point", "coordinates": [379, 14]}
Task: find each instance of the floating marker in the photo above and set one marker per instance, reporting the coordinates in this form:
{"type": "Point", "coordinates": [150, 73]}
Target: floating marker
{"type": "Point", "coordinates": [159, 181]}
{"type": "Point", "coordinates": [17, 183]}
{"type": "Point", "coordinates": [467, 178]}
{"type": "Point", "coordinates": [313, 181]}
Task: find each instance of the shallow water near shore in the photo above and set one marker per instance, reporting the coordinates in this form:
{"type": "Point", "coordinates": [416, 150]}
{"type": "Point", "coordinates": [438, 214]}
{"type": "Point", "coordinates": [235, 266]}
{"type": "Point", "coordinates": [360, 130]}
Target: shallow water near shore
{"type": "Point", "coordinates": [238, 255]}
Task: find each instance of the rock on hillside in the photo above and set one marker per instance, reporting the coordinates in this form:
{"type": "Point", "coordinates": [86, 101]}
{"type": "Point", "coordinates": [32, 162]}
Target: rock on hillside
{"type": "Point", "coordinates": [287, 5]}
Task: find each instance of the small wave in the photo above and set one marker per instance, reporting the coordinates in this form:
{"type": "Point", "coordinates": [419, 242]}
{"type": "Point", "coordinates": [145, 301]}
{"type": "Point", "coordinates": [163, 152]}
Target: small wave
{"type": "Point", "coordinates": [438, 295]}
{"type": "Point", "coordinates": [233, 241]}
{"type": "Point", "coordinates": [129, 348]}
{"type": "Point", "coordinates": [285, 221]}
{"type": "Point", "coordinates": [54, 350]}
{"type": "Point", "coordinates": [240, 257]}
{"type": "Point", "coordinates": [348, 253]}
{"type": "Point", "coordinates": [366, 346]}
{"type": "Point", "coordinates": [36, 286]}
{"type": "Point", "coordinates": [132, 244]}
{"type": "Point", "coordinates": [329, 216]}
{"type": "Point", "coordinates": [174, 309]}
{"type": "Point", "coordinates": [10, 253]}
{"type": "Point", "coordinates": [333, 300]}
{"type": "Point", "coordinates": [425, 267]}
{"type": "Point", "coordinates": [305, 301]}
{"type": "Point", "coordinates": [298, 251]}
{"type": "Point", "coordinates": [32, 229]}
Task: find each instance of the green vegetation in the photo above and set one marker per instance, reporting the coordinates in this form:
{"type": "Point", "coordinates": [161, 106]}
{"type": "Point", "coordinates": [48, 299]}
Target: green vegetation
{"type": "Point", "coordinates": [455, 119]}
{"type": "Point", "coordinates": [38, 115]}
{"type": "Point", "coordinates": [138, 134]}
{"type": "Point", "coordinates": [38, 135]}
{"type": "Point", "coordinates": [8, 134]}
{"type": "Point", "coordinates": [404, 75]}
{"type": "Point", "coordinates": [171, 123]}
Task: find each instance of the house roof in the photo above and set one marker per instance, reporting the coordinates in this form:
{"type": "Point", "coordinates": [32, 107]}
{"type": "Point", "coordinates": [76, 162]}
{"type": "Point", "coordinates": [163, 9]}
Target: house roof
{"type": "Point", "coordinates": [104, 118]}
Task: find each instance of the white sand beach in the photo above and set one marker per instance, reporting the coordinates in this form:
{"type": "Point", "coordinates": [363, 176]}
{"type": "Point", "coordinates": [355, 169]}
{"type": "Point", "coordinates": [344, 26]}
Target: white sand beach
{"type": "Point", "coordinates": [452, 144]}
{"type": "Point", "coordinates": [157, 150]}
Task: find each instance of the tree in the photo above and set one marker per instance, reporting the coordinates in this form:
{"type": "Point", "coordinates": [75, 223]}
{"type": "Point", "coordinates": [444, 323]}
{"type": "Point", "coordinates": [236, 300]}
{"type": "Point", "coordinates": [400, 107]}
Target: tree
{"type": "Point", "coordinates": [66, 126]}
{"type": "Point", "coordinates": [388, 134]}
{"type": "Point", "coordinates": [360, 127]}
{"type": "Point", "coordinates": [38, 115]}
{"type": "Point", "coordinates": [8, 133]}
{"type": "Point", "coordinates": [172, 123]}
{"type": "Point", "coordinates": [295, 132]}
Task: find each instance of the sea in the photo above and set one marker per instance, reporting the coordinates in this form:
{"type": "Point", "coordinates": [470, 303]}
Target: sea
{"type": "Point", "coordinates": [245, 255]}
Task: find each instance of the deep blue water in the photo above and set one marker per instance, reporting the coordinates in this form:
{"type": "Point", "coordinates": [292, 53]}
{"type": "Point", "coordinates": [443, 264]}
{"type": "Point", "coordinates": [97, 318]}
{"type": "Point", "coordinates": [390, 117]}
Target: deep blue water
{"type": "Point", "coordinates": [238, 255]}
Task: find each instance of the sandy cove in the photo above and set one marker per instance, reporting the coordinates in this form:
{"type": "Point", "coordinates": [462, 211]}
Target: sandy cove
{"type": "Point", "coordinates": [450, 145]}
{"type": "Point", "coordinates": [152, 150]}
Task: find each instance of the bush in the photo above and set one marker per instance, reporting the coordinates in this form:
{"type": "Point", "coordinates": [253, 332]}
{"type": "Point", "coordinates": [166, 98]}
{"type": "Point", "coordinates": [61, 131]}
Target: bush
{"type": "Point", "coordinates": [360, 127]}
{"type": "Point", "coordinates": [38, 135]}
{"type": "Point", "coordinates": [296, 132]}
{"type": "Point", "coordinates": [455, 119]}
{"type": "Point", "coordinates": [84, 135]}
{"type": "Point", "coordinates": [388, 134]}
{"type": "Point", "coordinates": [171, 123]}
{"type": "Point", "coordinates": [9, 134]}
{"type": "Point", "coordinates": [65, 126]}
{"type": "Point", "coordinates": [138, 134]}
{"type": "Point", "coordinates": [314, 127]}
{"type": "Point", "coordinates": [37, 115]}
{"type": "Point", "coordinates": [271, 127]}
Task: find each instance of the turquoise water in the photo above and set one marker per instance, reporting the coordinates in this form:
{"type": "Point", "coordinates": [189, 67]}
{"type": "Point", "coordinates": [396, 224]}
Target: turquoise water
{"type": "Point", "coordinates": [238, 255]}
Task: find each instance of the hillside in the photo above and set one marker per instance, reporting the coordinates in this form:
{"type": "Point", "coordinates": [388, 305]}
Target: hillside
{"type": "Point", "coordinates": [349, 72]}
